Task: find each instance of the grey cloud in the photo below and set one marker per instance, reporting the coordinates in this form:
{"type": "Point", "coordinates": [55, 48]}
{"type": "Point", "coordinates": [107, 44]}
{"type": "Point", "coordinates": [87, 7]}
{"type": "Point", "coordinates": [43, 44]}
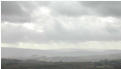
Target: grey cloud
{"type": "Point", "coordinates": [114, 29]}
{"type": "Point", "coordinates": [11, 8]}
{"type": "Point", "coordinates": [69, 8]}
{"type": "Point", "coordinates": [105, 8]}
{"type": "Point", "coordinates": [100, 8]}
{"type": "Point", "coordinates": [20, 11]}
{"type": "Point", "coordinates": [16, 18]}
{"type": "Point", "coordinates": [11, 11]}
{"type": "Point", "coordinates": [60, 33]}
{"type": "Point", "coordinates": [15, 34]}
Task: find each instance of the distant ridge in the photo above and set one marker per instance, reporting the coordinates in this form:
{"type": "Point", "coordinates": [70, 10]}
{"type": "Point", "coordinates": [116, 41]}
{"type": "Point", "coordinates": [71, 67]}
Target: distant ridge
{"type": "Point", "coordinates": [60, 55]}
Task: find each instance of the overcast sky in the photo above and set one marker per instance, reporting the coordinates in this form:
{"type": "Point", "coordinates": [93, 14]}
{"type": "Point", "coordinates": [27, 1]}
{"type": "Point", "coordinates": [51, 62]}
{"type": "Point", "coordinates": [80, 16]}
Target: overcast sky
{"type": "Point", "coordinates": [61, 25]}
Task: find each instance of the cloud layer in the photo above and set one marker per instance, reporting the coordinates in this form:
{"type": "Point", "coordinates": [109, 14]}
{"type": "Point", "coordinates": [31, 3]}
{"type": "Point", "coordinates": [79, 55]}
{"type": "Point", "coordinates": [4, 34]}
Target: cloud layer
{"type": "Point", "coordinates": [61, 23]}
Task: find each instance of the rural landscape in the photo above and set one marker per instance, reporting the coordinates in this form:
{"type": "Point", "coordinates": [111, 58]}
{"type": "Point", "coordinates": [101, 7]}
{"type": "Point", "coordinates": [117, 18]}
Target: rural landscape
{"type": "Point", "coordinates": [61, 34]}
{"type": "Point", "coordinates": [19, 64]}
{"type": "Point", "coordinates": [56, 59]}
